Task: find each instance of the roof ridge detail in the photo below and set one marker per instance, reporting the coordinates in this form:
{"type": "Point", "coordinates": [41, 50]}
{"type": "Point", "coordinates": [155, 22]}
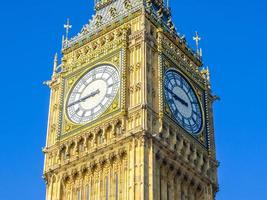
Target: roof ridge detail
{"type": "Point", "coordinates": [111, 11]}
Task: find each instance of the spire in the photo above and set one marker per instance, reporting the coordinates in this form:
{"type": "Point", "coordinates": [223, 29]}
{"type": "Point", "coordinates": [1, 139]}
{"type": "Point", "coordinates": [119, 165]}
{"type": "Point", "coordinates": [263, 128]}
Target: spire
{"type": "Point", "coordinates": [55, 64]}
{"type": "Point", "coordinates": [63, 41]}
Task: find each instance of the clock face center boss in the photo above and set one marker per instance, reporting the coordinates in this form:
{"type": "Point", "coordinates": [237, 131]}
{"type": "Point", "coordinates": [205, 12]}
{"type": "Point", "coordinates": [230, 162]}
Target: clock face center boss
{"type": "Point", "coordinates": [93, 93]}
{"type": "Point", "coordinates": [183, 102]}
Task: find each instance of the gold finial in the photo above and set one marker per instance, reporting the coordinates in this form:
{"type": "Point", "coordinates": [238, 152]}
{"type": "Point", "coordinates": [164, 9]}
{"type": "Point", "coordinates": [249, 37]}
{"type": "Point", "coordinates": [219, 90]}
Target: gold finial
{"type": "Point", "coordinates": [67, 26]}
{"type": "Point", "coordinates": [206, 74]}
{"type": "Point", "coordinates": [197, 39]}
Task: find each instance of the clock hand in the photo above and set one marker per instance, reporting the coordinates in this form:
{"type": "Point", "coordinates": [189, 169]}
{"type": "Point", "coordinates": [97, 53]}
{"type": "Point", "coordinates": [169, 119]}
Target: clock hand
{"type": "Point", "coordinates": [84, 98]}
{"type": "Point", "coordinates": [90, 95]}
{"type": "Point", "coordinates": [176, 97]}
{"type": "Point", "coordinates": [111, 85]}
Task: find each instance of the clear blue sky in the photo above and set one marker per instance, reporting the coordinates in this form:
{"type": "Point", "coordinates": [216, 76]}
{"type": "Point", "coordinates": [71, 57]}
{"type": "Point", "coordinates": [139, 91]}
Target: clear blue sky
{"type": "Point", "coordinates": [234, 45]}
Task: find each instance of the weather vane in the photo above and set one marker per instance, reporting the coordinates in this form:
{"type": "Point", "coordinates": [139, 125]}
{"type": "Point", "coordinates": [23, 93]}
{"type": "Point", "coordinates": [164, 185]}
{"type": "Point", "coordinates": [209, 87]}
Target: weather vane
{"type": "Point", "coordinates": [197, 39]}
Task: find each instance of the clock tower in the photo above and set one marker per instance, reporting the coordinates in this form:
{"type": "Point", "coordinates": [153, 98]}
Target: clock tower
{"type": "Point", "coordinates": [130, 115]}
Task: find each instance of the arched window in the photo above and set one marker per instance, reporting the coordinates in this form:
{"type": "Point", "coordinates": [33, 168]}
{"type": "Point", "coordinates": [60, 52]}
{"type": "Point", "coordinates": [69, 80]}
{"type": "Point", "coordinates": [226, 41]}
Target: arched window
{"type": "Point", "coordinates": [89, 143]}
{"type": "Point", "coordinates": [118, 128]}
{"type": "Point", "coordinates": [81, 146]}
{"type": "Point", "coordinates": [63, 154]}
{"type": "Point", "coordinates": [108, 134]}
{"type": "Point", "coordinates": [72, 149]}
{"type": "Point", "coordinates": [100, 138]}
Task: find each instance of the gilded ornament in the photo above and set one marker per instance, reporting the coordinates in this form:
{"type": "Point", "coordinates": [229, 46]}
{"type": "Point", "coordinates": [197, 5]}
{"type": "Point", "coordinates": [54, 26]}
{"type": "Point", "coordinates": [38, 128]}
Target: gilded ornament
{"type": "Point", "coordinates": [113, 12]}
{"type": "Point", "coordinates": [127, 4]}
{"type": "Point", "coordinates": [98, 20]}
{"type": "Point", "coordinates": [168, 109]}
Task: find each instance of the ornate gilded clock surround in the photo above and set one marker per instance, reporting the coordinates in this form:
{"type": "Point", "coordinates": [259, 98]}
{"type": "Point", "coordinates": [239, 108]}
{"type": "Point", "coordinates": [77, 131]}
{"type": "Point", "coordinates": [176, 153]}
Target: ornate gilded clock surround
{"type": "Point", "coordinates": [200, 94]}
{"type": "Point", "coordinates": [115, 59]}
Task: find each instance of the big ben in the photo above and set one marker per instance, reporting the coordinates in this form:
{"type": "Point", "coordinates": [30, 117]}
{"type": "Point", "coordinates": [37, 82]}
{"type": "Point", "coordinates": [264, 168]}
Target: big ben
{"type": "Point", "coordinates": [130, 115]}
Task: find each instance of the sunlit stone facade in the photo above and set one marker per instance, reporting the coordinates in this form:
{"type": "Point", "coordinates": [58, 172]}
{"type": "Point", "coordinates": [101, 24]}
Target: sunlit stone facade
{"type": "Point", "coordinates": [135, 149]}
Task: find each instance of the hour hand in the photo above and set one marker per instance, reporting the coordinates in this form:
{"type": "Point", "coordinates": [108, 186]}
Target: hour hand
{"type": "Point", "coordinates": [84, 98]}
{"type": "Point", "coordinates": [177, 97]}
{"type": "Point", "coordinates": [90, 95]}
{"type": "Point", "coordinates": [181, 100]}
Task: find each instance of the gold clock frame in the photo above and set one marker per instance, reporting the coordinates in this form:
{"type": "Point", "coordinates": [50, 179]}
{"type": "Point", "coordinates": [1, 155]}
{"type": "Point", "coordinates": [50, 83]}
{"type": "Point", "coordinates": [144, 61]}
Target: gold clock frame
{"type": "Point", "coordinates": [114, 60]}
{"type": "Point", "coordinates": [201, 135]}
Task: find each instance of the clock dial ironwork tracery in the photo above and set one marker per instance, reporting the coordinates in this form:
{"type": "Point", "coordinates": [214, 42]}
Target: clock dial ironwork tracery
{"type": "Point", "coordinates": [93, 94]}
{"type": "Point", "coordinates": [183, 102]}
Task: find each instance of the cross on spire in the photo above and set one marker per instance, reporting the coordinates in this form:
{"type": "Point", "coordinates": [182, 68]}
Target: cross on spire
{"type": "Point", "coordinates": [197, 39]}
{"type": "Point", "coordinates": [67, 26]}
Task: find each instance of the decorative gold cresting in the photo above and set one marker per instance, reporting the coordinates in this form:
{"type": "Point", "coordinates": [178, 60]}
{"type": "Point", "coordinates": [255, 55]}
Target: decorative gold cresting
{"type": "Point", "coordinates": [99, 4]}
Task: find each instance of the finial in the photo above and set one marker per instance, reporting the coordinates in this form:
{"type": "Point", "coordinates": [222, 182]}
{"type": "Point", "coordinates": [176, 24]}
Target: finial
{"type": "Point", "coordinates": [63, 41]}
{"type": "Point", "coordinates": [206, 74]}
{"type": "Point", "coordinates": [67, 26]}
{"type": "Point", "coordinates": [197, 39]}
{"type": "Point", "coordinates": [55, 63]}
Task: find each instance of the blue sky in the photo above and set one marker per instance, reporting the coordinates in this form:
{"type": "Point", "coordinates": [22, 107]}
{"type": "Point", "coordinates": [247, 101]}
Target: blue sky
{"type": "Point", "coordinates": [234, 45]}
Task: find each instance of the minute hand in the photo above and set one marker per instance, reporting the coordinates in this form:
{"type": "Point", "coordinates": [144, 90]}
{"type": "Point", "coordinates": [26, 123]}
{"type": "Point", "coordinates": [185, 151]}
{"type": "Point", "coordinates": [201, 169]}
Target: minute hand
{"type": "Point", "coordinates": [176, 97]}
{"type": "Point", "coordinates": [84, 98]}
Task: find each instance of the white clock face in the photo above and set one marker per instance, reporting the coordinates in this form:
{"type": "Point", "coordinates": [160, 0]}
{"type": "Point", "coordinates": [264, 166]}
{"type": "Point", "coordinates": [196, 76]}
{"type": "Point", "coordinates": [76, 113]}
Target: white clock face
{"type": "Point", "coordinates": [183, 102]}
{"type": "Point", "coordinates": [93, 94]}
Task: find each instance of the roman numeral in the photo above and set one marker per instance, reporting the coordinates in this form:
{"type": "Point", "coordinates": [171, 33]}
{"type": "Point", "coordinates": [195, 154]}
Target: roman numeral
{"type": "Point", "coordinates": [183, 121]}
{"type": "Point", "coordinates": [93, 75]}
{"type": "Point", "coordinates": [108, 95]}
{"type": "Point", "coordinates": [83, 114]}
{"type": "Point", "coordinates": [194, 102]}
{"type": "Point", "coordinates": [111, 85]}
{"type": "Point", "coordinates": [196, 113]}
{"type": "Point", "coordinates": [101, 105]}
{"type": "Point", "coordinates": [104, 72]}
{"type": "Point", "coordinates": [193, 120]}
{"type": "Point", "coordinates": [76, 92]}
{"type": "Point", "coordinates": [171, 101]}
{"type": "Point", "coordinates": [176, 112]}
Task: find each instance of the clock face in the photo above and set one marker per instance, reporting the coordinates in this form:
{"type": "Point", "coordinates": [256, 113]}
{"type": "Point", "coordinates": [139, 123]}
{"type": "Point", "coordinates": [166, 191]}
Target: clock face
{"type": "Point", "coordinates": [93, 94]}
{"type": "Point", "coordinates": [183, 102]}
